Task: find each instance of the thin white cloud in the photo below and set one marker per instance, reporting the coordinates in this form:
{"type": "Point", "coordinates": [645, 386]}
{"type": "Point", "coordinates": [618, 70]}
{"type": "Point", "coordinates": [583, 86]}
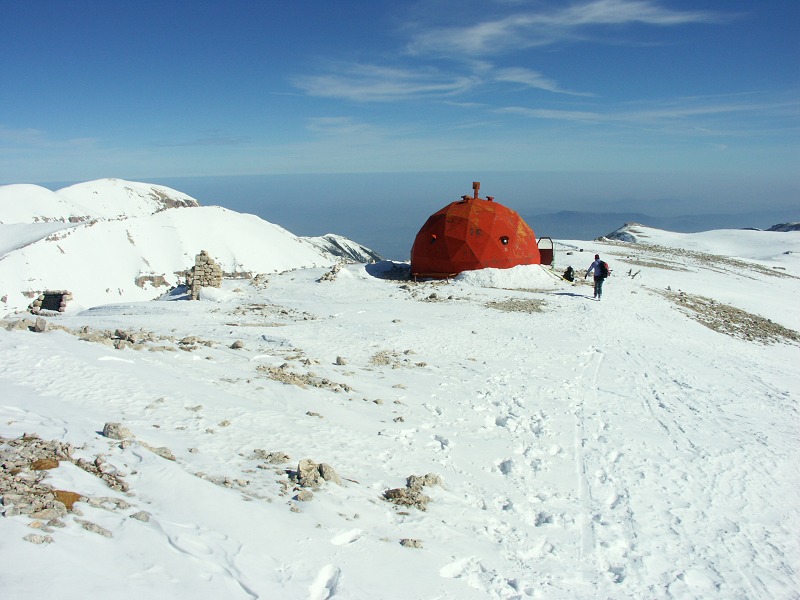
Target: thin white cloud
{"type": "Point", "coordinates": [371, 83]}
{"type": "Point", "coordinates": [686, 114]}
{"type": "Point", "coordinates": [532, 79]}
{"type": "Point", "coordinates": [555, 114]}
{"type": "Point", "coordinates": [530, 29]}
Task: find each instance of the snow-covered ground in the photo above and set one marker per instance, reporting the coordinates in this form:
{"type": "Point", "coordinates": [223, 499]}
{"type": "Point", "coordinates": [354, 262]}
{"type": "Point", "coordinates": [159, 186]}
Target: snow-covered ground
{"type": "Point", "coordinates": [612, 449]}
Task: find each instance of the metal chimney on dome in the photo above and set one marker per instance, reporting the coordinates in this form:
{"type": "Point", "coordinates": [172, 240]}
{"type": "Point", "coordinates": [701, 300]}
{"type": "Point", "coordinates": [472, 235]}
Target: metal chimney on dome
{"type": "Point", "coordinates": [476, 185]}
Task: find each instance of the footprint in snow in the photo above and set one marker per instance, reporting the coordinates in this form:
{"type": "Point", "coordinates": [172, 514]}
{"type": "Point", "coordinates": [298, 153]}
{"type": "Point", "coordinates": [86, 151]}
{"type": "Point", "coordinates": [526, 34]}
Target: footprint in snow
{"type": "Point", "coordinates": [346, 537]}
{"type": "Point", "coordinates": [326, 583]}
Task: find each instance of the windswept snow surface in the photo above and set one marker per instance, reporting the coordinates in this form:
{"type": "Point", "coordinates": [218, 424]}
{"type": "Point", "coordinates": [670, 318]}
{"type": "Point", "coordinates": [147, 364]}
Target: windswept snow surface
{"type": "Point", "coordinates": [612, 449]}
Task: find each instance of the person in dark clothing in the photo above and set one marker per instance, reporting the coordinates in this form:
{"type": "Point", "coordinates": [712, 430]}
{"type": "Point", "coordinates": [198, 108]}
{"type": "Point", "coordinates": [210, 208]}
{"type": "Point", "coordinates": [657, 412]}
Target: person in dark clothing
{"type": "Point", "coordinates": [599, 275]}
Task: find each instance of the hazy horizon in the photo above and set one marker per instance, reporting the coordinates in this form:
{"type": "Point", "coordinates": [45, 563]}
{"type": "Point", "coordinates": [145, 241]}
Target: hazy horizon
{"type": "Point", "coordinates": [391, 207]}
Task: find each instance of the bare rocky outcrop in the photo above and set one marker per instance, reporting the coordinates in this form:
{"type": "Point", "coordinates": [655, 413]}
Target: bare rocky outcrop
{"type": "Point", "coordinates": [284, 375]}
{"type": "Point", "coordinates": [24, 464]}
{"type": "Point", "coordinates": [412, 495]}
{"type": "Point", "coordinates": [310, 474]}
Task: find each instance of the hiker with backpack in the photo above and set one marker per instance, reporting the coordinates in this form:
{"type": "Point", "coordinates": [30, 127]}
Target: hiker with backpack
{"type": "Point", "coordinates": [601, 271]}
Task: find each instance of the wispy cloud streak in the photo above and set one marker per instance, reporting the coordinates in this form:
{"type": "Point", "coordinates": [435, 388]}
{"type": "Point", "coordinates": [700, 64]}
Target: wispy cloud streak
{"type": "Point", "coordinates": [371, 83]}
{"type": "Point", "coordinates": [689, 114]}
{"type": "Point", "coordinates": [531, 28]}
{"type": "Point", "coordinates": [532, 79]}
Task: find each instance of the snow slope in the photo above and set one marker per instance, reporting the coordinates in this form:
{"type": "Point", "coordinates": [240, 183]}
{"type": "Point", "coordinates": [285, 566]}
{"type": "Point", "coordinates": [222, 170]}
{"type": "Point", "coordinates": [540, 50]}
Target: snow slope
{"type": "Point", "coordinates": [27, 203]}
{"type": "Point", "coordinates": [128, 232]}
{"type": "Point", "coordinates": [100, 199]}
{"type": "Point", "coordinates": [613, 449]}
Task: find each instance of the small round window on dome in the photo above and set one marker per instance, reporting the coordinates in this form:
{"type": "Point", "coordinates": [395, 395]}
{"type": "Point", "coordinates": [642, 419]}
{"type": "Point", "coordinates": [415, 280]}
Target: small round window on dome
{"type": "Point", "coordinates": [504, 240]}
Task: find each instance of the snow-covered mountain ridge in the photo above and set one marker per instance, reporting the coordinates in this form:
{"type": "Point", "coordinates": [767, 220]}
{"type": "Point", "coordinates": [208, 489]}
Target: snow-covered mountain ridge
{"type": "Point", "coordinates": [102, 240]}
{"type": "Point", "coordinates": [100, 199]}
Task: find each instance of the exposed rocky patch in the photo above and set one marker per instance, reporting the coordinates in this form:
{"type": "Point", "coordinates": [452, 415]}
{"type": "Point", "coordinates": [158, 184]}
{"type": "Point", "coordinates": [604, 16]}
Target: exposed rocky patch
{"type": "Point", "coordinates": [24, 465]}
{"type": "Point", "coordinates": [331, 274]}
{"type": "Point", "coordinates": [303, 380]}
{"type": "Point", "coordinates": [412, 494]}
{"type": "Point", "coordinates": [272, 458]}
{"type": "Point", "coordinates": [663, 257]}
{"type": "Point", "coordinates": [310, 474]}
{"type": "Point", "coordinates": [394, 359]}
{"type": "Point", "coordinates": [729, 320]}
{"type": "Point", "coordinates": [272, 311]}
{"type": "Point", "coordinates": [523, 305]}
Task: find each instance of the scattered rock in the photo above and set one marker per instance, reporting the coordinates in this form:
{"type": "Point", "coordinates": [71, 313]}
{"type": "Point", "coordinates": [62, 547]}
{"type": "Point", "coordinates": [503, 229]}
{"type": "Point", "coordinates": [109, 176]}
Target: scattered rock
{"type": "Point", "coordinates": [142, 515]}
{"type": "Point", "coordinates": [161, 451]}
{"type": "Point", "coordinates": [340, 361]}
{"type": "Point", "coordinates": [94, 528]}
{"type": "Point", "coordinates": [52, 510]}
{"type": "Point", "coordinates": [304, 496]}
{"type": "Point", "coordinates": [284, 375]}
{"type": "Point", "coordinates": [237, 345]}
{"type": "Point", "coordinates": [412, 494]}
{"type": "Point", "coordinates": [274, 458]}
{"type": "Point", "coordinates": [35, 538]}
{"type": "Point", "coordinates": [116, 431]}
{"type": "Point", "coordinates": [411, 543]}
{"type": "Point", "coordinates": [311, 474]}
{"type": "Point", "coordinates": [330, 275]}
{"type": "Point", "coordinates": [108, 503]}
{"type": "Point", "coordinates": [329, 474]}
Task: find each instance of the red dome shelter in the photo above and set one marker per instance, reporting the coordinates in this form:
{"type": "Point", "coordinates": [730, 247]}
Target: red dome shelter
{"type": "Point", "coordinates": [473, 233]}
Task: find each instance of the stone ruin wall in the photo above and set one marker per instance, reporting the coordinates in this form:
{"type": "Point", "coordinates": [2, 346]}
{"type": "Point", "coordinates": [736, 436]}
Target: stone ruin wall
{"type": "Point", "coordinates": [36, 306]}
{"type": "Point", "coordinates": [205, 273]}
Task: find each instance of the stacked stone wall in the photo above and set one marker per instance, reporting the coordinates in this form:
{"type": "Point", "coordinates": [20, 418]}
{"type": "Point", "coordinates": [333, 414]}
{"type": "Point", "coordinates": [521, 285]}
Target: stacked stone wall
{"type": "Point", "coordinates": [205, 273]}
{"type": "Point", "coordinates": [37, 307]}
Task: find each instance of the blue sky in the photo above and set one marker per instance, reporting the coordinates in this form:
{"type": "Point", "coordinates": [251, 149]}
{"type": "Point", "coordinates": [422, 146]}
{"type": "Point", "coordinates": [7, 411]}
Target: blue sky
{"type": "Point", "coordinates": [708, 90]}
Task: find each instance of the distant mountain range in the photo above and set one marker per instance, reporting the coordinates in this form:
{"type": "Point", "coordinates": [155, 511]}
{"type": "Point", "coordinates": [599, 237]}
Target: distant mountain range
{"type": "Point", "coordinates": [573, 225]}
